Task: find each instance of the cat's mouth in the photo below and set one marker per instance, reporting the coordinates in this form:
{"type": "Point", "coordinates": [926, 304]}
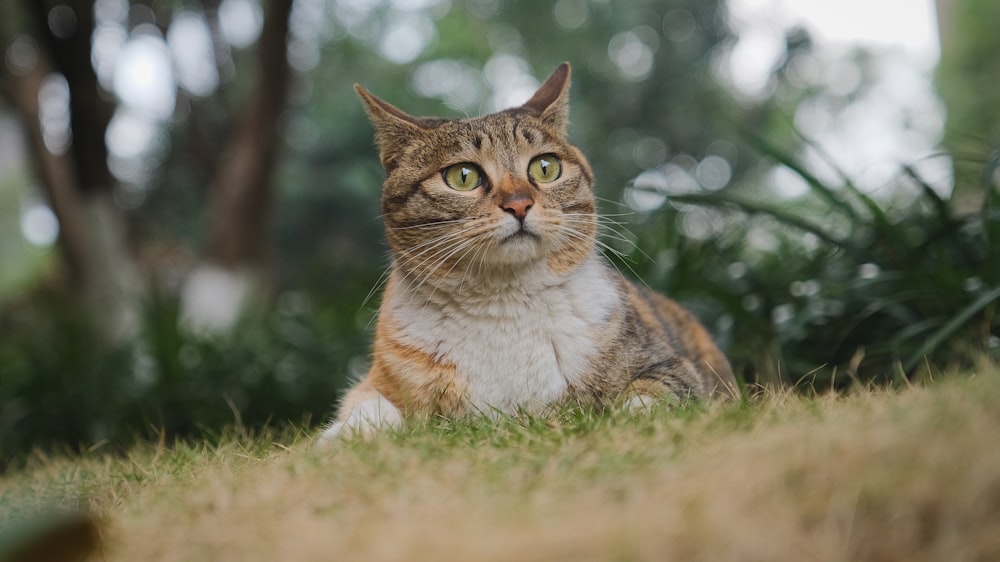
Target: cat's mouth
{"type": "Point", "coordinates": [521, 234]}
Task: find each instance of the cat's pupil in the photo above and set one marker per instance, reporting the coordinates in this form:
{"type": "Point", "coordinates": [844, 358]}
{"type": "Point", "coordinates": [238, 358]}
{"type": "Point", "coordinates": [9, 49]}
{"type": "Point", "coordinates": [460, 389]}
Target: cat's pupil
{"type": "Point", "coordinates": [465, 175]}
{"type": "Point", "coordinates": [545, 167]}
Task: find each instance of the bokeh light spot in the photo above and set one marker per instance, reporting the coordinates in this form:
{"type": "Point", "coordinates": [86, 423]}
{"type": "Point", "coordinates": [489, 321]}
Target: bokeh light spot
{"type": "Point", "coordinates": [571, 14]}
{"type": "Point", "coordinates": [130, 135]}
{"type": "Point", "coordinates": [144, 77]}
{"type": "Point", "coordinates": [786, 183]}
{"type": "Point", "coordinates": [679, 25]}
{"type": "Point", "coordinates": [713, 172]}
{"type": "Point", "coordinates": [453, 81]}
{"type": "Point", "coordinates": [240, 22]}
{"type": "Point", "coordinates": [510, 79]}
{"type": "Point", "coordinates": [191, 46]}
{"type": "Point", "coordinates": [62, 21]}
{"type": "Point", "coordinates": [39, 225]}
{"type": "Point", "coordinates": [631, 55]}
{"type": "Point", "coordinates": [21, 56]}
{"type": "Point", "coordinates": [53, 113]}
{"type": "Point", "coordinates": [405, 38]}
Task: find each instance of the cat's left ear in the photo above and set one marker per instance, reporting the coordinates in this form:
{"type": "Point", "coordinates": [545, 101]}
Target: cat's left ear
{"type": "Point", "coordinates": [551, 101]}
{"type": "Point", "coordinates": [394, 128]}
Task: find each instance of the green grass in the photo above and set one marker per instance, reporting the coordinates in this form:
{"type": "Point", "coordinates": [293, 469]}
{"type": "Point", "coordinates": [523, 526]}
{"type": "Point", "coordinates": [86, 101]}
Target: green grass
{"type": "Point", "coordinates": [875, 475]}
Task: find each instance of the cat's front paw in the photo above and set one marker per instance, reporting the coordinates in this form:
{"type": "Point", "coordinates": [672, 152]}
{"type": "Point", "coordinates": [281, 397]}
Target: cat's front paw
{"type": "Point", "coordinates": [648, 402]}
{"type": "Point", "coordinates": [639, 402]}
{"type": "Point", "coordinates": [369, 417]}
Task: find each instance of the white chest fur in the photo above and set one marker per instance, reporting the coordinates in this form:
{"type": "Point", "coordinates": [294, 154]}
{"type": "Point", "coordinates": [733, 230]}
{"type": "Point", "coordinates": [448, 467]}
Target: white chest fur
{"type": "Point", "coordinates": [518, 348]}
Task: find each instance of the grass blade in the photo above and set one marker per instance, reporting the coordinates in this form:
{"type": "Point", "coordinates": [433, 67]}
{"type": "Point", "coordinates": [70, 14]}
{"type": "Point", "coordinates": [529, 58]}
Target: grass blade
{"type": "Point", "coordinates": [948, 329]}
{"type": "Point", "coordinates": [826, 192]}
{"type": "Point", "coordinates": [756, 207]}
{"type": "Point", "coordinates": [940, 205]}
{"type": "Point", "coordinates": [882, 222]}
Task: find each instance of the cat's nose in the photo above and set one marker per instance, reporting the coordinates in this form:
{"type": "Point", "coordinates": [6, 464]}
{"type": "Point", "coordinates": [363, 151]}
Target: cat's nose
{"type": "Point", "coordinates": [518, 205]}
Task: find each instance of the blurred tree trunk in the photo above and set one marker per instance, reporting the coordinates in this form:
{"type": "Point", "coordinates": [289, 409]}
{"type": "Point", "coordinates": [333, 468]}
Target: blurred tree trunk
{"type": "Point", "coordinates": [945, 12]}
{"type": "Point", "coordinates": [78, 182]}
{"type": "Point", "coordinates": [232, 272]}
{"type": "Point", "coordinates": [967, 76]}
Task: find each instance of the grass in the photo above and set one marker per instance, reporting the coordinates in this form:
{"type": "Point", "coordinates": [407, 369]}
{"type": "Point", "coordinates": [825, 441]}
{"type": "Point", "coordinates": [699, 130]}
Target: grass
{"type": "Point", "coordinates": [874, 475]}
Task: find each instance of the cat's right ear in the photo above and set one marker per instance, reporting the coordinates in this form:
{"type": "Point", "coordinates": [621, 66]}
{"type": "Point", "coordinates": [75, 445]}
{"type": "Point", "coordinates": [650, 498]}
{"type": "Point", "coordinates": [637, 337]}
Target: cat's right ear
{"type": "Point", "coordinates": [551, 101]}
{"type": "Point", "coordinates": [393, 127]}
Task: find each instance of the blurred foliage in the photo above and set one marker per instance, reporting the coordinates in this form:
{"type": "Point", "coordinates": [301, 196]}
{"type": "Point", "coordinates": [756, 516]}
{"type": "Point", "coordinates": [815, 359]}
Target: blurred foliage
{"type": "Point", "coordinates": [835, 288]}
{"type": "Point", "coordinates": [329, 182]}
{"type": "Point", "coordinates": [825, 289]}
{"type": "Point", "coordinates": [22, 261]}
{"type": "Point", "coordinates": [283, 365]}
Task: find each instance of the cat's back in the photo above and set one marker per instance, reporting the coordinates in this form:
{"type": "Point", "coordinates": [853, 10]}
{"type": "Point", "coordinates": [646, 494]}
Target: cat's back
{"type": "Point", "coordinates": [659, 328]}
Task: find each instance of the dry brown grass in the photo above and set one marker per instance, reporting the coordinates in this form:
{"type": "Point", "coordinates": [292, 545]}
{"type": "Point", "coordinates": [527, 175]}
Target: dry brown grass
{"type": "Point", "coordinates": [910, 475]}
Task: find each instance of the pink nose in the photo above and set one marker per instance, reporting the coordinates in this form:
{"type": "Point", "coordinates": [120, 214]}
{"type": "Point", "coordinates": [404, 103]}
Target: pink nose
{"type": "Point", "coordinates": [518, 206]}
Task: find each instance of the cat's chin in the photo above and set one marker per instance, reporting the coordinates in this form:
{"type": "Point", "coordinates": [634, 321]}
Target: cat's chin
{"type": "Point", "coordinates": [522, 247]}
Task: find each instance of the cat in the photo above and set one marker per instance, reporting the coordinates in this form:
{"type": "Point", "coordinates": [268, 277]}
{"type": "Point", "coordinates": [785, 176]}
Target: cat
{"type": "Point", "coordinates": [498, 300]}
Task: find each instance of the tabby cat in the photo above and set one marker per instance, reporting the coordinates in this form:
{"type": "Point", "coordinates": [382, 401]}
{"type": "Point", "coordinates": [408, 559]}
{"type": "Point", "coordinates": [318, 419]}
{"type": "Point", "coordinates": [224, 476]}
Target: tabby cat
{"type": "Point", "coordinates": [498, 300]}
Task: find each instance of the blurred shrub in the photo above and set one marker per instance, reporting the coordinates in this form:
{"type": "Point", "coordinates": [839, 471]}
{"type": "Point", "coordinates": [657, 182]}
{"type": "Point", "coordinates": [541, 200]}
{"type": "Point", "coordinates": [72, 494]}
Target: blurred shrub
{"type": "Point", "coordinates": [60, 388]}
{"type": "Point", "coordinates": [833, 287]}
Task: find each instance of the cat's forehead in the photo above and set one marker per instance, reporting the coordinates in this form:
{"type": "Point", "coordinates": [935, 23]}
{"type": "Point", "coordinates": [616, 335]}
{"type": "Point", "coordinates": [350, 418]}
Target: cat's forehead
{"type": "Point", "coordinates": [504, 139]}
{"type": "Point", "coordinates": [512, 126]}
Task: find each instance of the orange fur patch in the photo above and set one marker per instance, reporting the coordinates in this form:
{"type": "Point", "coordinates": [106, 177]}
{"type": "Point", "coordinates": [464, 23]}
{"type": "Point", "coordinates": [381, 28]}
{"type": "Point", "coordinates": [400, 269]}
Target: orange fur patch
{"type": "Point", "coordinates": [414, 380]}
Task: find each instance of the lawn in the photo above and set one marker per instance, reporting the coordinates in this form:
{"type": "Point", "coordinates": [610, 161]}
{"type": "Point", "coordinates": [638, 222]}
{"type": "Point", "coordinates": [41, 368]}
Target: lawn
{"type": "Point", "coordinates": [910, 474]}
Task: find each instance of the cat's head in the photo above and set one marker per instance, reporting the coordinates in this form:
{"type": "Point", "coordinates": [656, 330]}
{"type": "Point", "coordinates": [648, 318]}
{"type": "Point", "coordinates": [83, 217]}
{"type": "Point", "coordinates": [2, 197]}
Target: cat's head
{"type": "Point", "coordinates": [501, 191]}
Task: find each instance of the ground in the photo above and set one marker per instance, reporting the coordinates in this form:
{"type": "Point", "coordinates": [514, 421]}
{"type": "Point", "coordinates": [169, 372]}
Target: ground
{"type": "Point", "coordinates": [910, 474]}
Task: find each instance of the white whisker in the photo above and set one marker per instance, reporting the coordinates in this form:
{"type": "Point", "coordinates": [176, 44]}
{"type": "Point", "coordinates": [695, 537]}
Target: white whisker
{"type": "Point", "coordinates": [574, 233]}
{"type": "Point", "coordinates": [464, 246]}
{"type": "Point", "coordinates": [430, 224]}
{"type": "Point", "coordinates": [408, 257]}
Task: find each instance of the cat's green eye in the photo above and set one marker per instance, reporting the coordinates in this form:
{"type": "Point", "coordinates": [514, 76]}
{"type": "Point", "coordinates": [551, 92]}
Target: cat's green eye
{"type": "Point", "coordinates": [545, 168]}
{"type": "Point", "coordinates": [462, 177]}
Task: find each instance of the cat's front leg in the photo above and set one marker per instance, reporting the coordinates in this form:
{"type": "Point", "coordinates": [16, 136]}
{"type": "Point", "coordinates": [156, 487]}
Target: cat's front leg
{"type": "Point", "coordinates": [364, 411]}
